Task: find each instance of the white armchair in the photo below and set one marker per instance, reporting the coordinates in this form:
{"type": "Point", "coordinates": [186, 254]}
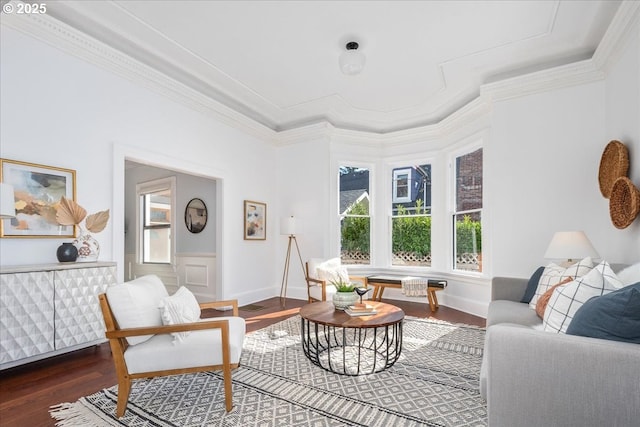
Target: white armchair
{"type": "Point", "coordinates": [319, 275]}
{"type": "Point", "coordinates": [152, 334]}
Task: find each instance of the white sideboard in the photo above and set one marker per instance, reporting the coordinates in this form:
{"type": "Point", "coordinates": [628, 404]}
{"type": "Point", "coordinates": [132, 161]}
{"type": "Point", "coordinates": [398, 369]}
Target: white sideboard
{"type": "Point", "coordinates": [51, 309]}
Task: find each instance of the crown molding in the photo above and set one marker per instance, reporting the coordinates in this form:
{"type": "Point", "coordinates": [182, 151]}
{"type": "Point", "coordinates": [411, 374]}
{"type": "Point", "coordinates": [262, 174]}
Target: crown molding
{"type": "Point", "coordinates": [76, 43]}
{"type": "Point", "coordinates": [618, 34]}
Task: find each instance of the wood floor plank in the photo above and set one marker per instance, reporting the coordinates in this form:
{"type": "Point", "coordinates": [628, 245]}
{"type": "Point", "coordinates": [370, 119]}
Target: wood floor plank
{"type": "Point", "coordinates": [27, 392]}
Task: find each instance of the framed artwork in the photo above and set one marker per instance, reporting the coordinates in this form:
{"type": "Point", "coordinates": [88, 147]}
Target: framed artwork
{"type": "Point", "coordinates": [195, 215]}
{"type": "Point", "coordinates": [255, 220]}
{"type": "Point", "coordinates": [37, 192]}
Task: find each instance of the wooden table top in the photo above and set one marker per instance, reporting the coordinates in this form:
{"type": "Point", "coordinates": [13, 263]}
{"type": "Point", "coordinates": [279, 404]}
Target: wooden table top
{"type": "Point", "coordinates": [325, 313]}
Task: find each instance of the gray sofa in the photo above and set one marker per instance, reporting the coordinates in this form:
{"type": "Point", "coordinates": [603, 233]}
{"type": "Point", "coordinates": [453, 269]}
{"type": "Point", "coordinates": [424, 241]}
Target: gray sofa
{"type": "Point", "coordinates": [530, 377]}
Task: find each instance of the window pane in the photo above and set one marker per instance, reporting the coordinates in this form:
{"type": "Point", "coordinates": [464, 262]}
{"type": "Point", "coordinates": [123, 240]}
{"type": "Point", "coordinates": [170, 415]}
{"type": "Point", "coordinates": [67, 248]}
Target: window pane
{"type": "Point", "coordinates": [354, 190]}
{"type": "Point", "coordinates": [469, 181]}
{"type": "Point", "coordinates": [354, 215]}
{"type": "Point", "coordinates": [468, 233]}
{"type": "Point", "coordinates": [411, 216]}
{"type": "Point", "coordinates": [157, 245]}
{"type": "Point", "coordinates": [355, 232]}
{"type": "Point", "coordinates": [157, 208]}
{"type": "Point", "coordinates": [411, 240]}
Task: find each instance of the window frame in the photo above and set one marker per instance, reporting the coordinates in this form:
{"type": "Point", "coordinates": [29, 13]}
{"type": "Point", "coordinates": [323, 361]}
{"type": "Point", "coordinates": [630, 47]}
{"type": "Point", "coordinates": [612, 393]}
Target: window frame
{"type": "Point", "coordinates": [142, 189]}
{"type": "Point", "coordinates": [401, 166]}
{"type": "Point", "coordinates": [340, 216]}
{"type": "Point", "coordinates": [454, 213]}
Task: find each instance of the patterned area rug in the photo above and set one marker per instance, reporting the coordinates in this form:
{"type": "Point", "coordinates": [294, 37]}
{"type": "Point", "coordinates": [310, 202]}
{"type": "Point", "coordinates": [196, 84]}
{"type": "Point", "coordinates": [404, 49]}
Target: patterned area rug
{"type": "Point", "coordinates": [434, 383]}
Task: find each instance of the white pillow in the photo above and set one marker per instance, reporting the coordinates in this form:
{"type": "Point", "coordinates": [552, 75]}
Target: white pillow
{"type": "Point", "coordinates": [567, 299]}
{"type": "Point", "coordinates": [554, 274]}
{"type": "Point", "coordinates": [630, 275]}
{"type": "Point", "coordinates": [181, 307]}
{"type": "Point", "coordinates": [339, 274]}
{"type": "Point", "coordinates": [135, 304]}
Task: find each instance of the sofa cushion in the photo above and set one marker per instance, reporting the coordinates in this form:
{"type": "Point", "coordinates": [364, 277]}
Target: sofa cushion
{"type": "Point", "coordinates": [567, 299]}
{"type": "Point", "coordinates": [630, 274]}
{"type": "Point", "coordinates": [554, 274]}
{"type": "Point", "coordinates": [532, 285]}
{"type": "Point", "coordinates": [135, 304]}
{"type": "Point", "coordinates": [614, 316]}
{"type": "Point", "coordinates": [541, 305]}
{"type": "Point", "coordinates": [181, 307]}
{"type": "Point", "coordinates": [503, 311]}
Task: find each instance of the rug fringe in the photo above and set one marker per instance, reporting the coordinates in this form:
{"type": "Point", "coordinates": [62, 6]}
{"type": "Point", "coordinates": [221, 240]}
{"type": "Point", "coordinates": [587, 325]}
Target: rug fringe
{"type": "Point", "coordinates": [74, 415]}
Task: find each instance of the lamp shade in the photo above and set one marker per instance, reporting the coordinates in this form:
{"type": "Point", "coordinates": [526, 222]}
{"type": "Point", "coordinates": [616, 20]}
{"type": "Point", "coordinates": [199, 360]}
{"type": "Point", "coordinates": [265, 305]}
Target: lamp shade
{"type": "Point", "coordinates": [288, 226]}
{"type": "Point", "coordinates": [570, 245]}
{"type": "Point", "coordinates": [7, 201]}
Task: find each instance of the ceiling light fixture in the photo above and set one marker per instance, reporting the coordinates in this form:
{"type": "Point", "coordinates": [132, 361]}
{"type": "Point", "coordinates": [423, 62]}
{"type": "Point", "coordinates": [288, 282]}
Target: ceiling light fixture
{"type": "Point", "coordinates": [351, 60]}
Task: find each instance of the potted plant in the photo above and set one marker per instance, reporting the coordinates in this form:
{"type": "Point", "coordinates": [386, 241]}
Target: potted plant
{"type": "Point", "coordinates": [345, 295]}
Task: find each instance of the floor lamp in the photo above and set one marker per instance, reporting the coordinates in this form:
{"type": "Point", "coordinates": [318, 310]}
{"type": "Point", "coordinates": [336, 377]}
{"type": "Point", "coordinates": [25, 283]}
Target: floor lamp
{"type": "Point", "coordinates": [288, 227]}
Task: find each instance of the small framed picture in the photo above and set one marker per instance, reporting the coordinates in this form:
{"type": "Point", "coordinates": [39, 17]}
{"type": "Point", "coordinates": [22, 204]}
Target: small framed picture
{"type": "Point", "coordinates": [255, 220]}
{"type": "Point", "coordinates": [37, 191]}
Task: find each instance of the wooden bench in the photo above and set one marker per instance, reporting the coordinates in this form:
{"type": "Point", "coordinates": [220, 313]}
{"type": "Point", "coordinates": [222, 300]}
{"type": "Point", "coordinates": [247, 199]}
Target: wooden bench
{"type": "Point", "coordinates": [383, 281]}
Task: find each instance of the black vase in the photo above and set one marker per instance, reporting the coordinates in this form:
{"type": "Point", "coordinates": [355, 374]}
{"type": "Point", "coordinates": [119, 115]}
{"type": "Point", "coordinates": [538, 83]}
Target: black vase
{"type": "Point", "coordinates": [67, 252]}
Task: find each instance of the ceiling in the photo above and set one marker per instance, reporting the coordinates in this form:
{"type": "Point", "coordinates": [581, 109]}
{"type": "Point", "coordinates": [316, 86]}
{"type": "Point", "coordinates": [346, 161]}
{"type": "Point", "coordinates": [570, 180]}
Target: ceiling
{"type": "Point", "coordinates": [277, 62]}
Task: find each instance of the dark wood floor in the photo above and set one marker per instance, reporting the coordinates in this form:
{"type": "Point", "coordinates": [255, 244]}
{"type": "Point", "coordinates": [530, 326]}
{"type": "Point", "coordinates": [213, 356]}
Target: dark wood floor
{"type": "Point", "coordinates": [27, 392]}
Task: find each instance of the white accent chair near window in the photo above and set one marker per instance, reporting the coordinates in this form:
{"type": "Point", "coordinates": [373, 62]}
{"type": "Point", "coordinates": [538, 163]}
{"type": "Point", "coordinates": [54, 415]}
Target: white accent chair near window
{"type": "Point", "coordinates": [321, 272]}
{"type": "Point", "coordinates": [153, 334]}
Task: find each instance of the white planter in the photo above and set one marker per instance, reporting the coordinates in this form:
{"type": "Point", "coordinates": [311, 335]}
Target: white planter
{"type": "Point", "coordinates": [342, 300]}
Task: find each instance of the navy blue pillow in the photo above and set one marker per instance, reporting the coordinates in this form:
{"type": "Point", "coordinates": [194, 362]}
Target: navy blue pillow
{"type": "Point", "coordinates": [614, 316]}
{"type": "Point", "coordinates": [532, 285]}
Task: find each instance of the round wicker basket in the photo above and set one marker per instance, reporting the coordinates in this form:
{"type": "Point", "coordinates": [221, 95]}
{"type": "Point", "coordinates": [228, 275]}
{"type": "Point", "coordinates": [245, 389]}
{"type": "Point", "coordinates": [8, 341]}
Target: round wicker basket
{"type": "Point", "coordinates": [613, 165]}
{"type": "Point", "coordinates": [624, 203]}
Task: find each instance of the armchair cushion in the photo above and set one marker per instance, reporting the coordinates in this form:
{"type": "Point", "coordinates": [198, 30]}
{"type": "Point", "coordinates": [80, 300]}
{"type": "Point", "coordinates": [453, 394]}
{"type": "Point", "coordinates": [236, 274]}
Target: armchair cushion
{"type": "Point", "coordinates": [199, 348]}
{"type": "Point", "coordinates": [181, 307]}
{"type": "Point", "coordinates": [135, 304]}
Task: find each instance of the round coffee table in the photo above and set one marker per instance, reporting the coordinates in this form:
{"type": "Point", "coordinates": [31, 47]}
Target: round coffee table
{"type": "Point", "coordinates": [352, 345]}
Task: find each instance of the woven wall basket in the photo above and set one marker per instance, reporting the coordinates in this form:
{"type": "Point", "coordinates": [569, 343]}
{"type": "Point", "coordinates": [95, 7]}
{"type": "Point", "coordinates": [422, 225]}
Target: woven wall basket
{"type": "Point", "coordinates": [613, 165]}
{"type": "Point", "coordinates": [624, 203]}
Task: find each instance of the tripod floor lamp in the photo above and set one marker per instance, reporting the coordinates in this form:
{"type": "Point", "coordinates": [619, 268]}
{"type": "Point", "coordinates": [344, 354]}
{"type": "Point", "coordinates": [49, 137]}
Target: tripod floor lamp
{"type": "Point", "coordinates": [288, 227]}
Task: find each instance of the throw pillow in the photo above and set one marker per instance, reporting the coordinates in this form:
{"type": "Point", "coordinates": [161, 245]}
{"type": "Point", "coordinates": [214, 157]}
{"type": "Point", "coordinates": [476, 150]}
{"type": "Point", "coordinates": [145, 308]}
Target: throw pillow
{"type": "Point", "coordinates": [332, 270]}
{"type": "Point", "coordinates": [554, 273]}
{"type": "Point", "coordinates": [532, 284]}
{"type": "Point", "coordinates": [135, 304]}
{"type": "Point", "coordinates": [566, 300]}
{"type": "Point", "coordinates": [615, 316]}
{"type": "Point", "coordinates": [541, 305]}
{"type": "Point", "coordinates": [181, 307]}
{"type": "Point", "coordinates": [630, 274]}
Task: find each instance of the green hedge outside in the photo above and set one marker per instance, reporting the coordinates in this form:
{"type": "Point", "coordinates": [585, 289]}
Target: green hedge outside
{"type": "Point", "coordinates": [409, 232]}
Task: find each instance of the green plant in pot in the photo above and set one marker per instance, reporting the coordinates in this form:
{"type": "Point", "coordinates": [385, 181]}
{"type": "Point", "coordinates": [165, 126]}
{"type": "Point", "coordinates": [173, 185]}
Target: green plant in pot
{"type": "Point", "coordinates": [345, 295]}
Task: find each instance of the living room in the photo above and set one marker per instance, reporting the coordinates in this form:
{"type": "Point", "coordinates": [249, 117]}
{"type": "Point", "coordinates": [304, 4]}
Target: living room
{"type": "Point", "coordinates": [71, 101]}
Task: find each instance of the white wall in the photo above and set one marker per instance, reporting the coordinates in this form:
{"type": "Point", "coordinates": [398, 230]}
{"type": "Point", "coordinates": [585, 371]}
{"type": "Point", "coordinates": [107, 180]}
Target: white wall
{"type": "Point", "coordinates": [623, 123]}
{"type": "Point", "coordinates": [60, 111]}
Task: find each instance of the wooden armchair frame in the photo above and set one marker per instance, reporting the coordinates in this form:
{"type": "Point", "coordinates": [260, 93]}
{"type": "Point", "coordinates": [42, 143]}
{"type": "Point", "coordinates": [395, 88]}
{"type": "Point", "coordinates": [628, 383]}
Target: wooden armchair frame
{"type": "Point", "coordinates": [117, 340]}
{"type": "Point", "coordinates": [323, 283]}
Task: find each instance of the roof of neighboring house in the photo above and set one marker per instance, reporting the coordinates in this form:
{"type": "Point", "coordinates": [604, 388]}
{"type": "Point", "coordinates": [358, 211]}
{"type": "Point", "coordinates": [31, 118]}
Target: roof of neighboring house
{"type": "Point", "coordinates": [350, 197]}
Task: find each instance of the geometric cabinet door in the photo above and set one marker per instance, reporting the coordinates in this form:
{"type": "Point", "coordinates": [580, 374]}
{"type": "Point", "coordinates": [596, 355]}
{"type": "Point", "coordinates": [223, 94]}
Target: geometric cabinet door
{"type": "Point", "coordinates": [78, 318]}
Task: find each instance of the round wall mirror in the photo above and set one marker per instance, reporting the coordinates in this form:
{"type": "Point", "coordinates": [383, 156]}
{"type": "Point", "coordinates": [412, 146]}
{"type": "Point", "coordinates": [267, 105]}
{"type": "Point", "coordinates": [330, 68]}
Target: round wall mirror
{"type": "Point", "coordinates": [195, 215]}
